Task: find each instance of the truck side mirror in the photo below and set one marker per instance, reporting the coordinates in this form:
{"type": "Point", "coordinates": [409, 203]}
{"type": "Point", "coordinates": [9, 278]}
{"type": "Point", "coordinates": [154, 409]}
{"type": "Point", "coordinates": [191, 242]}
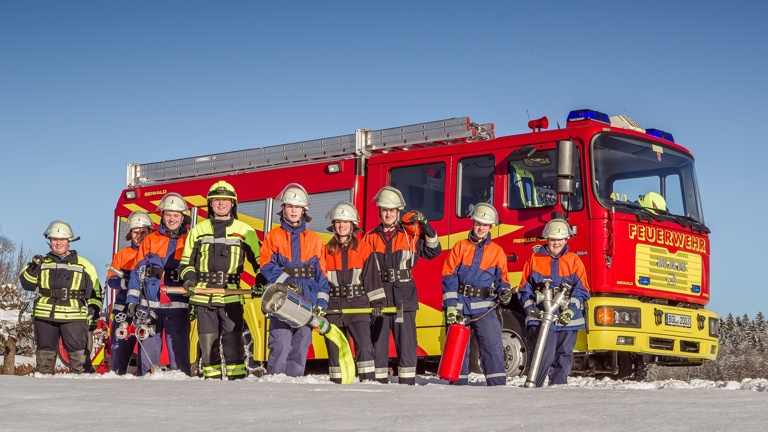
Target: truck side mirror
{"type": "Point", "coordinates": [566, 170]}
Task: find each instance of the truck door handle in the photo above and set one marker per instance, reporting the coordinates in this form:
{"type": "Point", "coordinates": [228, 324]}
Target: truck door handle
{"type": "Point", "coordinates": [512, 257]}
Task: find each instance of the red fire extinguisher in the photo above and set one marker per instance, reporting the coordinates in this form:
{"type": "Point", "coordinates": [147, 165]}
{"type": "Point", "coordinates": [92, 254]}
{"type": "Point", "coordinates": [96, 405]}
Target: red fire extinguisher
{"type": "Point", "coordinates": [456, 341]}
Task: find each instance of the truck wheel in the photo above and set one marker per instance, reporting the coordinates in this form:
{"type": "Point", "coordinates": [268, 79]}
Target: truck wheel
{"type": "Point", "coordinates": [515, 343]}
{"type": "Point", "coordinates": [252, 366]}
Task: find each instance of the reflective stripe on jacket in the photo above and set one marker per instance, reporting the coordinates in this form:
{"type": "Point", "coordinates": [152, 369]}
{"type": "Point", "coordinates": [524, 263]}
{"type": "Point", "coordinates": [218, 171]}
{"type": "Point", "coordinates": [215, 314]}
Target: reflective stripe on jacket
{"type": "Point", "coordinates": [354, 267]}
{"type": "Point", "coordinates": [159, 255]}
{"type": "Point", "coordinates": [72, 273]}
{"type": "Point", "coordinates": [219, 246]}
{"type": "Point", "coordinates": [566, 267]}
{"type": "Point", "coordinates": [482, 265]}
{"type": "Point", "coordinates": [124, 260]}
{"type": "Point", "coordinates": [402, 252]}
{"type": "Point", "coordinates": [288, 247]}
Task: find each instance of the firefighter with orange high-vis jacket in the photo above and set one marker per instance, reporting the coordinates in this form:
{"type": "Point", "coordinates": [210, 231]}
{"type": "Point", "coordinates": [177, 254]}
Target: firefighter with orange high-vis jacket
{"type": "Point", "coordinates": [397, 252]}
{"type": "Point", "coordinates": [555, 265]}
{"type": "Point", "coordinates": [293, 255]}
{"type": "Point", "coordinates": [139, 227]}
{"type": "Point", "coordinates": [355, 282]}
{"type": "Point", "coordinates": [474, 278]}
{"type": "Point", "coordinates": [156, 269]}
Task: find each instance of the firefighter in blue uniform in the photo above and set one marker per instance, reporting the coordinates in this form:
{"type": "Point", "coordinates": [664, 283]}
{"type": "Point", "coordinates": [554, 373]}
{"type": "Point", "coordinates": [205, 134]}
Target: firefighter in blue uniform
{"type": "Point", "coordinates": [474, 278]}
{"type": "Point", "coordinates": [553, 261]}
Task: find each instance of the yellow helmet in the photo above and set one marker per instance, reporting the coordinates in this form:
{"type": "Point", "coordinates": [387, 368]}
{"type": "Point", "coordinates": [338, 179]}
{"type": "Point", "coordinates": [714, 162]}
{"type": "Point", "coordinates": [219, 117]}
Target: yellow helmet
{"type": "Point", "coordinates": [295, 194]}
{"type": "Point", "coordinates": [222, 190]}
{"type": "Point", "coordinates": [59, 229]}
{"type": "Point", "coordinates": [557, 229]}
{"type": "Point", "coordinates": [653, 201]}
{"type": "Point", "coordinates": [389, 198]}
{"type": "Point", "coordinates": [485, 214]}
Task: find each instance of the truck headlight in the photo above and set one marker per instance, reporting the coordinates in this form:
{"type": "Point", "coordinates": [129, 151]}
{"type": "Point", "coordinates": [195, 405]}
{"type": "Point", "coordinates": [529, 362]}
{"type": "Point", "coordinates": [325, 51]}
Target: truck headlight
{"type": "Point", "coordinates": [617, 316]}
{"type": "Point", "coordinates": [714, 327]}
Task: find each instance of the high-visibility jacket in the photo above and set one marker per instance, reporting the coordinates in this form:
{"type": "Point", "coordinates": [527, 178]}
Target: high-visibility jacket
{"type": "Point", "coordinates": [397, 256]}
{"type": "Point", "coordinates": [124, 260]}
{"type": "Point", "coordinates": [298, 251]}
{"type": "Point", "coordinates": [157, 263]}
{"type": "Point", "coordinates": [218, 249]}
{"type": "Point", "coordinates": [473, 274]}
{"type": "Point", "coordinates": [565, 267]}
{"type": "Point", "coordinates": [355, 282]}
{"type": "Point", "coordinates": [67, 286]}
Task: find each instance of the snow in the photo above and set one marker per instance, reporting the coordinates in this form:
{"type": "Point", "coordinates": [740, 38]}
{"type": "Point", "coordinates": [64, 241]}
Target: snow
{"type": "Point", "coordinates": [173, 401]}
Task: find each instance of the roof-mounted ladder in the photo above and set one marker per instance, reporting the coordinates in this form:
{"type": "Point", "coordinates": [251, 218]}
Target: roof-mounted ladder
{"type": "Point", "coordinates": [362, 143]}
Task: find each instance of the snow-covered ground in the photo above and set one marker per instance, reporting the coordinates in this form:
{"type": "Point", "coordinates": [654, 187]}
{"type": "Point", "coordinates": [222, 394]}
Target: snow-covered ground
{"type": "Point", "coordinates": [172, 401]}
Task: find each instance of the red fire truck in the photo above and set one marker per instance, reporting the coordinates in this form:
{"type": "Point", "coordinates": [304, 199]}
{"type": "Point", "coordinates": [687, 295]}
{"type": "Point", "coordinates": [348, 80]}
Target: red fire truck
{"type": "Point", "coordinates": [648, 269]}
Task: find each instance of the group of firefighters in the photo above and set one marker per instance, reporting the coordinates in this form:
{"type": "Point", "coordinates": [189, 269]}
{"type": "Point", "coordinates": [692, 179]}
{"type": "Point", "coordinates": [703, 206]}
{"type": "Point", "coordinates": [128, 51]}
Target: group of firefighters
{"type": "Point", "coordinates": [168, 276]}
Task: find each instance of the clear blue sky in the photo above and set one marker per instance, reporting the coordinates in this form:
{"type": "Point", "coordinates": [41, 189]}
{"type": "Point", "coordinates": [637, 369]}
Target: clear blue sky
{"type": "Point", "coordinates": [88, 86]}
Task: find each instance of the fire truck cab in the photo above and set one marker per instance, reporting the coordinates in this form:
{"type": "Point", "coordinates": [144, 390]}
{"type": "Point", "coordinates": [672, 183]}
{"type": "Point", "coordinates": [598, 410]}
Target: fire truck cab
{"type": "Point", "coordinates": [648, 269]}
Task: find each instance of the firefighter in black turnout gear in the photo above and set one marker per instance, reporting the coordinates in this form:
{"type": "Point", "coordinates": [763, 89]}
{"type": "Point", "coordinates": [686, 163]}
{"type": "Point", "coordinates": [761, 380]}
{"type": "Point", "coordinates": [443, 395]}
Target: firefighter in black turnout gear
{"type": "Point", "coordinates": [70, 300]}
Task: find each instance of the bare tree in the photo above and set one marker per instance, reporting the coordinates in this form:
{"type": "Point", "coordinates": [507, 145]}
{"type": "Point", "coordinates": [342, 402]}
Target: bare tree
{"type": "Point", "coordinates": [16, 334]}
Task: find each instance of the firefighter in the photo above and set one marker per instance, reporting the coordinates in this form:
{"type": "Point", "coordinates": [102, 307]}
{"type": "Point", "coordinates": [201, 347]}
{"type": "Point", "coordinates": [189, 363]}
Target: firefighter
{"type": "Point", "coordinates": [139, 226]}
{"type": "Point", "coordinates": [355, 282]}
{"type": "Point", "coordinates": [553, 261]}
{"type": "Point", "coordinates": [214, 257]}
{"type": "Point", "coordinates": [157, 267]}
{"type": "Point", "coordinates": [69, 302]}
{"type": "Point", "coordinates": [397, 252]}
{"type": "Point", "coordinates": [474, 279]}
{"type": "Point", "coordinates": [293, 255]}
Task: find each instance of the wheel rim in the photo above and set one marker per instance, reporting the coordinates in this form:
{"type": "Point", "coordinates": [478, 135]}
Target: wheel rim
{"type": "Point", "coordinates": [515, 355]}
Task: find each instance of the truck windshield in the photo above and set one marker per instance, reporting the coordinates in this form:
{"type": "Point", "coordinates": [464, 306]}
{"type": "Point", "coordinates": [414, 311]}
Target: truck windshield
{"type": "Point", "coordinates": [627, 168]}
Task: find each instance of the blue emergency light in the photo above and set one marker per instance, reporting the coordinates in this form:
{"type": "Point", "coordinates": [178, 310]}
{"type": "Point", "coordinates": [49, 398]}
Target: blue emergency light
{"type": "Point", "coordinates": [588, 114]}
{"type": "Point", "coordinates": [644, 280]}
{"type": "Point", "coordinates": [695, 289]}
{"type": "Point", "coordinates": [658, 133]}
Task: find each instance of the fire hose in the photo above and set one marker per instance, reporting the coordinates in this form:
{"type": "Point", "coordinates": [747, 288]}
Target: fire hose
{"type": "Point", "coordinates": [552, 302]}
{"type": "Point", "coordinates": [282, 303]}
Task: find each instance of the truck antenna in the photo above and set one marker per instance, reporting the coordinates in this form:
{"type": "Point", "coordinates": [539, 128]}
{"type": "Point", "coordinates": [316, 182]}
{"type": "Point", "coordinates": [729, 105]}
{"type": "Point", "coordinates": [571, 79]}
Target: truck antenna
{"type": "Point", "coordinates": [546, 87]}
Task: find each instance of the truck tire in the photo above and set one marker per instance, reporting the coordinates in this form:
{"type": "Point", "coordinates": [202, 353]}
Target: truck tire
{"type": "Point", "coordinates": [252, 367]}
{"type": "Point", "coordinates": [515, 342]}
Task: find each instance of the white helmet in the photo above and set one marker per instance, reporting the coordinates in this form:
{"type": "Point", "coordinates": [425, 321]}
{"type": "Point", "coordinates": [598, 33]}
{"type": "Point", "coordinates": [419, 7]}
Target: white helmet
{"type": "Point", "coordinates": [173, 202]}
{"type": "Point", "coordinates": [389, 198]}
{"type": "Point", "coordinates": [59, 229]}
{"type": "Point", "coordinates": [485, 214]}
{"type": "Point", "coordinates": [295, 194]}
{"type": "Point", "coordinates": [138, 219]}
{"type": "Point", "coordinates": [343, 211]}
{"type": "Point", "coordinates": [557, 229]}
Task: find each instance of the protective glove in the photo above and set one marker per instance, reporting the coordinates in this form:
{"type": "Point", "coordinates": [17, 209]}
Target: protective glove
{"type": "Point", "coordinates": [419, 218]}
{"type": "Point", "coordinates": [377, 312]}
{"type": "Point", "coordinates": [319, 311]}
{"type": "Point", "coordinates": [126, 275]}
{"type": "Point", "coordinates": [505, 296]}
{"type": "Point", "coordinates": [451, 315]}
{"type": "Point", "coordinates": [565, 317]}
{"type": "Point", "coordinates": [130, 311]}
{"type": "Point", "coordinates": [192, 313]}
{"type": "Point", "coordinates": [93, 317]}
{"type": "Point", "coordinates": [190, 287]}
{"type": "Point", "coordinates": [293, 286]}
{"type": "Point", "coordinates": [38, 259]}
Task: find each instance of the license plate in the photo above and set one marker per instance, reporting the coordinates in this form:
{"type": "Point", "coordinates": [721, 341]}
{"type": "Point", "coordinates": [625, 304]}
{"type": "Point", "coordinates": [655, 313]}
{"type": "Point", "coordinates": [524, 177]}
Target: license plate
{"type": "Point", "coordinates": [678, 320]}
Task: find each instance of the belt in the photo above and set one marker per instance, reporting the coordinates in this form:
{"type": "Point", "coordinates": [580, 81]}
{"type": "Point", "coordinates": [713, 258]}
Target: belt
{"type": "Point", "coordinates": [218, 278]}
{"type": "Point", "coordinates": [157, 272]}
{"type": "Point", "coordinates": [347, 291]}
{"type": "Point", "coordinates": [393, 275]}
{"type": "Point", "coordinates": [305, 272]}
{"type": "Point", "coordinates": [471, 291]}
{"type": "Point", "coordinates": [62, 293]}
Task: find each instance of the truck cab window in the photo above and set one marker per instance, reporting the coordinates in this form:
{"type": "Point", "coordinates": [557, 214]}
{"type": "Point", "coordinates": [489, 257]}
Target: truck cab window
{"type": "Point", "coordinates": [423, 187]}
{"type": "Point", "coordinates": [532, 182]}
{"type": "Point", "coordinates": [474, 183]}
